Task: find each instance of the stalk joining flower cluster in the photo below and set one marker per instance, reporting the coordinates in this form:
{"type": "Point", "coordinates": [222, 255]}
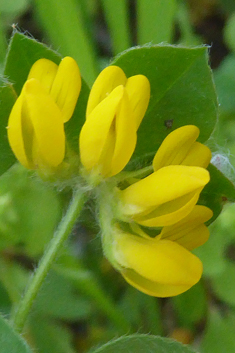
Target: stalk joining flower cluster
{"type": "Point", "coordinates": [164, 201]}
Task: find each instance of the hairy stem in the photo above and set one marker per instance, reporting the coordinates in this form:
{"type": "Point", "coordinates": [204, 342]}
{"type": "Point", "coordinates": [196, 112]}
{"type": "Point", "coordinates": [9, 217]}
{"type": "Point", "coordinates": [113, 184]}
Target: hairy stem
{"type": "Point", "coordinates": [19, 317]}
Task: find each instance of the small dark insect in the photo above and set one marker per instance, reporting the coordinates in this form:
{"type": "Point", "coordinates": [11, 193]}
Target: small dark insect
{"type": "Point", "coordinates": [224, 199]}
{"type": "Point", "coordinates": [168, 123]}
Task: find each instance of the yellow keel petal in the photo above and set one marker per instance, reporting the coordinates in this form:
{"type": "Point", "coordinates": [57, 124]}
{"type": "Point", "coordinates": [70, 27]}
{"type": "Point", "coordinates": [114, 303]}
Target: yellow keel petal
{"type": "Point", "coordinates": [175, 146]}
{"type": "Point", "coordinates": [106, 82]}
{"type": "Point", "coordinates": [48, 128]}
{"type": "Point", "coordinates": [164, 185]}
{"type": "Point", "coordinates": [66, 87]}
{"type": "Point", "coordinates": [198, 155]}
{"type": "Point", "coordinates": [170, 212]}
{"type": "Point", "coordinates": [190, 232]}
{"type": "Point", "coordinates": [44, 71]}
{"type": "Point", "coordinates": [153, 288]}
{"type": "Point", "coordinates": [138, 90]}
{"type": "Point", "coordinates": [160, 261]}
{"type": "Point", "coordinates": [125, 136]}
{"type": "Point", "coordinates": [15, 136]}
{"type": "Point", "coordinates": [95, 131]}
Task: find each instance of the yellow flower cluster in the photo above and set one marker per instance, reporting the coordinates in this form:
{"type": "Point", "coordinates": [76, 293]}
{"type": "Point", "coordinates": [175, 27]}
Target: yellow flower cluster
{"type": "Point", "coordinates": [166, 199]}
{"type": "Point", "coordinates": [164, 266]}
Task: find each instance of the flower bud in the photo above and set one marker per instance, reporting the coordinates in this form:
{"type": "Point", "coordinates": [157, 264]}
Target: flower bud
{"type": "Point", "coordinates": [36, 123]}
{"type": "Point", "coordinates": [163, 266]}
{"type": "Point", "coordinates": [115, 109]}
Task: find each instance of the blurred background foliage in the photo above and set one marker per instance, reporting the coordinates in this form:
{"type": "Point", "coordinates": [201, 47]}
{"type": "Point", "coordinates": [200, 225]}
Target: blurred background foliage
{"type": "Point", "coordinates": [84, 302]}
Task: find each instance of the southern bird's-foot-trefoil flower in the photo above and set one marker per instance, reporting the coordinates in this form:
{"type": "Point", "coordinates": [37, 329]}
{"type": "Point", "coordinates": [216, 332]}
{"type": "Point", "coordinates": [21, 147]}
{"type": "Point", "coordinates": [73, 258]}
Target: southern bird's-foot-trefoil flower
{"type": "Point", "coordinates": [36, 123]}
{"type": "Point", "coordinates": [166, 199]}
{"type": "Point", "coordinates": [115, 109]}
{"type": "Point", "coordinates": [169, 194]}
{"type": "Point", "coordinates": [163, 266]}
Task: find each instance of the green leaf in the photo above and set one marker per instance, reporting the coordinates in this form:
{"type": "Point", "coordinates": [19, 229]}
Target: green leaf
{"type": "Point", "coordinates": [49, 337]}
{"type": "Point", "coordinates": [68, 304]}
{"type": "Point", "coordinates": [143, 343]}
{"type": "Point", "coordinates": [225, 84]}
{"type": "Point", "coordinates": [3, 43]}
{"type": "Point", "coordinates": [217, 192]}
{"type": "Point", "coordinates": [5, 303]}
{"type": "Point", "coordinates": [27, 51]}
{"type": "Point", "coordinates": [224, 284]}
{"type": "Point", "coordinates": [13, 6]}
{"type": "Point", "coordinates": [187, 33]}
{"type": "Point", "coordinates": [155, 20]}
{"type": "Point", "coordinates": [212, 253]}
{"type": "Point", "coordinates": [14, 278]}
{"type": "Point", "coordinates": [229, 32]}
{"type": "Point", "coordinates": [219, 334]}
{"type": "Point", "coordinates": [190, 306]}
{"type": "Point", "coordinates": [182, 91]}
{"type": "Point", "coordinates": [74, 125]}
{"type": "Point", "coordinates": [227, 5]}
{"type": "Point", "coordinates": [7, 99]}
{"type": "Point", "coordinates": [10, 341]}
{"type": "Point", "coordinates": [88, 285]}
{"type": "Point", "coordinates": [29, 211]}
{"type": "Point", "coordinates": [67, 31]}
{"type": "Point", "coordinates": [142, 311]}
{"type": "Point", "coordinates": [116, 13]}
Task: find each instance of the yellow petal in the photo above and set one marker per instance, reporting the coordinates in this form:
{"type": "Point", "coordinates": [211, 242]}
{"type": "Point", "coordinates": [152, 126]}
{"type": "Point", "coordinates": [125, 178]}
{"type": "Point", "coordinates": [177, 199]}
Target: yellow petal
{"type": "Point", "coordinates": [44, 71]}
{"type": "Point", "coordinates": [97, 128]}
{"type": "Point", "coordinates": [125, 136]}
{"type": "Point", "coordinates": [175, 146]}
{"type": "Point", "coordinates": [66, 87]}
{"type": "Point", "coordinates": [190, 232]}
{"type": "Point", "coordinates": [108, 79]}
{"type": "Point", "coordinates": [162, 261]}
{"type": "Point", "coordinates": [169, 212]}
{"type": "Point", "coordinates": [48, 140]}
{"type": "Point", "coordinates": [198, 155]}
{"type": "Point", "coordinates": [164, 185]}
{"type": "Point", "coordinates": [138, 90]}
{"type": "Point", "coordinates": [15, 137]}
{"type": "Point", "coordinates": [153, 288]}
{"type": "Point", "coordinates": [105, 160]}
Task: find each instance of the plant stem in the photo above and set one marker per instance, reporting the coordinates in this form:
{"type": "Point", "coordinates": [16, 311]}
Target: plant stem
{"type": "Point", "coordinates": [64, 229]}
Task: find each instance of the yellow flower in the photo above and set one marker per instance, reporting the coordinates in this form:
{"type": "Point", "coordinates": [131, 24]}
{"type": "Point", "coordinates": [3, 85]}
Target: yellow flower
{"type": "Point", "coordinates": [163, 266]}
{"type": "Point", "coordinates": [172, 190]}
{"type": "Point", "coordinates": [181, 147]}
{"type": "Point", "coordinates": [115, 109]}
{"type": "Point", "coordinates": [36, 123]}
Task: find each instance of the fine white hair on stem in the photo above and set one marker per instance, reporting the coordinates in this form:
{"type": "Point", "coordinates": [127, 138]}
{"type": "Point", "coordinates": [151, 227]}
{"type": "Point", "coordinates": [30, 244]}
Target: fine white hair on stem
{"type": "Point", "coordinates": [221, 161]}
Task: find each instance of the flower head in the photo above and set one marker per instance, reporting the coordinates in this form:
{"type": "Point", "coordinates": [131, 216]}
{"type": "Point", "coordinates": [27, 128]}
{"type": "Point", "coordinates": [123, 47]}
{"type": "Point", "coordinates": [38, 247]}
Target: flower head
{"type": "Point", "coordinates": [36, 123]}
{"type": "Point", "coordinates": [172, 190]}
{"type": "Point", "coordinates": [115, 109]}
{"type": "Point", "coordinates": [181, 147]}
{"type": "Point", "coordinates": [163, 266]}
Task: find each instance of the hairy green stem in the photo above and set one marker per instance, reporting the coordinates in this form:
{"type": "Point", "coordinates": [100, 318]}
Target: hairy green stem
{"type": "Point", "coordinates": [64, 229]}
{"type": "Point", "coordinates": [107, 204]}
